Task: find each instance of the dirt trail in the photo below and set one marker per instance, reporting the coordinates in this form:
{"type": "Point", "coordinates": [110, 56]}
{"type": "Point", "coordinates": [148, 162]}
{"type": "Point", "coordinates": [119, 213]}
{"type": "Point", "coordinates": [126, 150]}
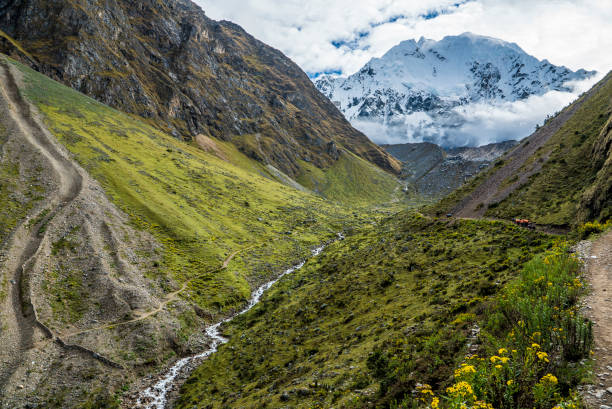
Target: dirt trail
{"type": "Point", "coordinates": [599, 310]}
{"type": "Point", "coordinates": [495, 188]}
{"type": "Point", "coordinates": [167, 300]}
{"type": "Point", "coordinates": [21, 329]}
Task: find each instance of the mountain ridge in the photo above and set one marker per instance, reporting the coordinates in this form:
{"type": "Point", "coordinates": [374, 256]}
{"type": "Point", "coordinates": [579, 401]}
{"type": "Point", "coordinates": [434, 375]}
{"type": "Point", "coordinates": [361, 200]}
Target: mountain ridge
{"type": "Point", "coordinates": [187, 74]}
{"type": "Point", "coordinates": [414, 92]}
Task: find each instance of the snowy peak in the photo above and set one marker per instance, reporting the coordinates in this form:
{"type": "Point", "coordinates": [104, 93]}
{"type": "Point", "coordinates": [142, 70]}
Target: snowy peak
{"type": "Point", "coordinates": [430, 78]}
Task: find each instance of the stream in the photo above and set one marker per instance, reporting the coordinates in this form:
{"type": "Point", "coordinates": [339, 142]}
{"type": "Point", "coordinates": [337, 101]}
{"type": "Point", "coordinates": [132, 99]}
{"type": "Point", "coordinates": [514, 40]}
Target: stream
{"type": "Point", "coordinates": [155, 397]}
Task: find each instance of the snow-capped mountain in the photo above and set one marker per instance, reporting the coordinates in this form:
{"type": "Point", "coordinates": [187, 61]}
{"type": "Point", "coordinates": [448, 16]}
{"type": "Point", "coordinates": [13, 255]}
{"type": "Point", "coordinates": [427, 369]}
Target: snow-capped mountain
{"type": "Point", "coordinates": [420, 91]}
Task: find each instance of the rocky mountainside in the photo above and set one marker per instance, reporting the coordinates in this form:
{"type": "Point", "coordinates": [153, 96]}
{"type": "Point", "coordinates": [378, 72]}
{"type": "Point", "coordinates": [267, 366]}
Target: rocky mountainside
{"type": "Point", "coordinates": [414, 91]}
{"type": "Point", "coordinates": [560, 176]}
{"type": "Point", "coordinates": [189, 75]}
{"type": "Point", "coordinates": [434, 172]}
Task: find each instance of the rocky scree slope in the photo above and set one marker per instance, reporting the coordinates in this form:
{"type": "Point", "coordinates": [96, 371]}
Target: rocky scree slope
{"type": "Point", "coordinates": [433, 172]}
{"type": "Point", "coordinates": [189, 75]}
{"type": "Point", "coordinates": [73, 261]}
{"type": "Point", "coordinates": [414, 90]}
{"type": "Point", "coordinates": [560, 175]}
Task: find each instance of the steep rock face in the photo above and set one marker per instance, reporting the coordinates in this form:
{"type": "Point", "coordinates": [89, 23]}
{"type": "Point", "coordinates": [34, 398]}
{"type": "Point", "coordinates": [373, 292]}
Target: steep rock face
{"type": "Point", "coordinates": [415, 90]}
{"type": "Point", "coordinates": [189, 75]}
{"type": "Point", "coordinates": [434, 172]}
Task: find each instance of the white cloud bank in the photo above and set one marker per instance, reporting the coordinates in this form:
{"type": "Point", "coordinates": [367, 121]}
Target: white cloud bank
{"type": "Point", "coordinates": [481, 123]}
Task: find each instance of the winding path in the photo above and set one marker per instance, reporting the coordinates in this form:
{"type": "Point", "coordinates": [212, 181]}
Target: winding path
{"type": "Point", "coordinates": [167, 300]}
{"type": "Point", "coordinates": [26, 241]}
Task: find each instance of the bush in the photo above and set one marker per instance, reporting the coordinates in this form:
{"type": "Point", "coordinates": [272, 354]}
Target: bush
{"type": "Point", "coordinates": [535, 336]}
{"type": "Point", "coordinates": [589, 228]}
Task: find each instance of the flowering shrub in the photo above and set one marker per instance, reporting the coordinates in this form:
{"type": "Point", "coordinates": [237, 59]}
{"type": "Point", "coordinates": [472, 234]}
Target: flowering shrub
{"type": "Point", "coordinates": [585, 230]}
{"type": "Point", "coordinates": [543, 334]}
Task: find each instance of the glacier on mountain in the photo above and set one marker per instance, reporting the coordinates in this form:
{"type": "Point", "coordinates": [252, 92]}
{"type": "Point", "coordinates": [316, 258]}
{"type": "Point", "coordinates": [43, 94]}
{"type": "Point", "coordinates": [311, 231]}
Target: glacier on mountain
{"type": "Point", "coordinates": [452, 92]}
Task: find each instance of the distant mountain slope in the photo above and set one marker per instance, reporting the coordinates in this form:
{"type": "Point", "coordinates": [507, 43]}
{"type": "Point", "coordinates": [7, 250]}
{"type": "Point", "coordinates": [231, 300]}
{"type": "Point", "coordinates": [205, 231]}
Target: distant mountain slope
{"type": "Point", "coordinates": [413, 92]}
{"type": "Point", "coordinates": [560, 175]}
{"type": "Point", "coordinates": [434, 172]}
{"type": "Point", "coordinates": [189, 75]}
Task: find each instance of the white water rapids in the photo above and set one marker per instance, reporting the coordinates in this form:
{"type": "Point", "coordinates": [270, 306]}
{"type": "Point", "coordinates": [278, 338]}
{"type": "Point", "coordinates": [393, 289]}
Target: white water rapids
{"type": "Point", "coordinates": [155, 397]}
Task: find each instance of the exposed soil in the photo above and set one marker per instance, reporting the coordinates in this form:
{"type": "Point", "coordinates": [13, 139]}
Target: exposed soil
{"type": "Point", "coordinates": [21, 328]}
{"type": "Point", "coordinates": [105, 258]}
{"type": "Point", "coordinates": [599, 309]}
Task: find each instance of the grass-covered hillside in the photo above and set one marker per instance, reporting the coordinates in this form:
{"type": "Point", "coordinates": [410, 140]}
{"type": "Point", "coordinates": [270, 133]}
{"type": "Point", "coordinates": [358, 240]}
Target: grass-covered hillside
{"type": "Point", "coordinates": [563, 182]}
{"type": "Point", "coordinates": [201, 205]}
{"type": "Point", "coordinates": [391, 306]}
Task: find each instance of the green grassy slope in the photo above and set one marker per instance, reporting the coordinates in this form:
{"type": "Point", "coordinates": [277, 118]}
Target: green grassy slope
{"type": "Point", "coordinates": [407, 291]}
{"type": "Point", "coordinates": [200, 207]}
{"type": "Point", "coordinates": [351, 180]}
{"type": "Point", "coordinates": [553, 195]}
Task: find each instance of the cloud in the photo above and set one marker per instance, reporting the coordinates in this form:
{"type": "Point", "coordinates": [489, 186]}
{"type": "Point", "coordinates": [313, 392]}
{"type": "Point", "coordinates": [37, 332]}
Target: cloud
{"type": "Point", "coordinates": [475, 124]}
{"type": "Point", "coordinates": [323, 35]}
{"type": "Point", "coordinates": [342, 35]}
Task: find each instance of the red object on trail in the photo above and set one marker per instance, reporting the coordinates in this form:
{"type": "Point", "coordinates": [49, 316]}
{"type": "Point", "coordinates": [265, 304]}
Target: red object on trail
{"type": "Point", "coordinates": [524, 223]}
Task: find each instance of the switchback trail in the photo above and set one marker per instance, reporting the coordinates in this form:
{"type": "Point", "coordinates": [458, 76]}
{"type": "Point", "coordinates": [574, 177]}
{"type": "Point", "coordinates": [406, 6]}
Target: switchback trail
{"type": "Point", "coordinates": [167, 300]}
{"type": "Point", "coordinates": [26, 240]}
{"type": "Point", "coordinates": [599, 305]}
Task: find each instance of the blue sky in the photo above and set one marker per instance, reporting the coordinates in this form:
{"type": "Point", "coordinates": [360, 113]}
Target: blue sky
{"type": "Point", "coordinates": [340, 36]}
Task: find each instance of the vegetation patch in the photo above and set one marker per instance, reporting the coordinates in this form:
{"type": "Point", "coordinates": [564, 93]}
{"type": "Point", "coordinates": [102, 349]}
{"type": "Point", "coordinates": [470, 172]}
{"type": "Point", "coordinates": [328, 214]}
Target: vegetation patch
{"type": "Point", "coordinates": [385, 309]}
{"type": "Point", "coordinates": [536, 344]}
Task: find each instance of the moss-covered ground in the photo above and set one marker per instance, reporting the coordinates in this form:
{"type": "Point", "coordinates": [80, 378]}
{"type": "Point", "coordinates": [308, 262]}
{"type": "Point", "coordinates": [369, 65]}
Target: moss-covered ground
{"type": "Point", "coordinates": [407, 292]}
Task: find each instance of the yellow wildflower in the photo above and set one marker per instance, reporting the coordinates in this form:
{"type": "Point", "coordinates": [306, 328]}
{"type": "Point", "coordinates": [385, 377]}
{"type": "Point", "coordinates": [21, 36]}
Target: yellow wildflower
{"type": "Point", "coordinates": [502, 351]}
{"type": "Point", "coordinates": [495, 358]}
{"type": "Point", "coordinates": [435, 403]}
{"type": "Point", "coordinates": [542, 356]}
{"type": "Point", "coordinates": [464, 370]}
{"type": "Point", "coordinates": [505, 359]}
{"type": "Point", "coordinates": [482, 405]}
{"type": "Point", "coordinates": [535, 346]}
{"type": "Point", "coordinates": [510, 382]}
{"type": "Point", "coordinates": [498, 366]}
{"type": "Point", "coordinates": [549, 379]}
{"type": "Point", "coordinates": [462, 389]}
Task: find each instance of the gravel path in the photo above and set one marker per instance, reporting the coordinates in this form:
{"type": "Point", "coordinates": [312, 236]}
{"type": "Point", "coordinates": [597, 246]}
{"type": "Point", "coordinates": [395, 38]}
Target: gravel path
{"type": "Point", "coordinates": [599, 310]}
